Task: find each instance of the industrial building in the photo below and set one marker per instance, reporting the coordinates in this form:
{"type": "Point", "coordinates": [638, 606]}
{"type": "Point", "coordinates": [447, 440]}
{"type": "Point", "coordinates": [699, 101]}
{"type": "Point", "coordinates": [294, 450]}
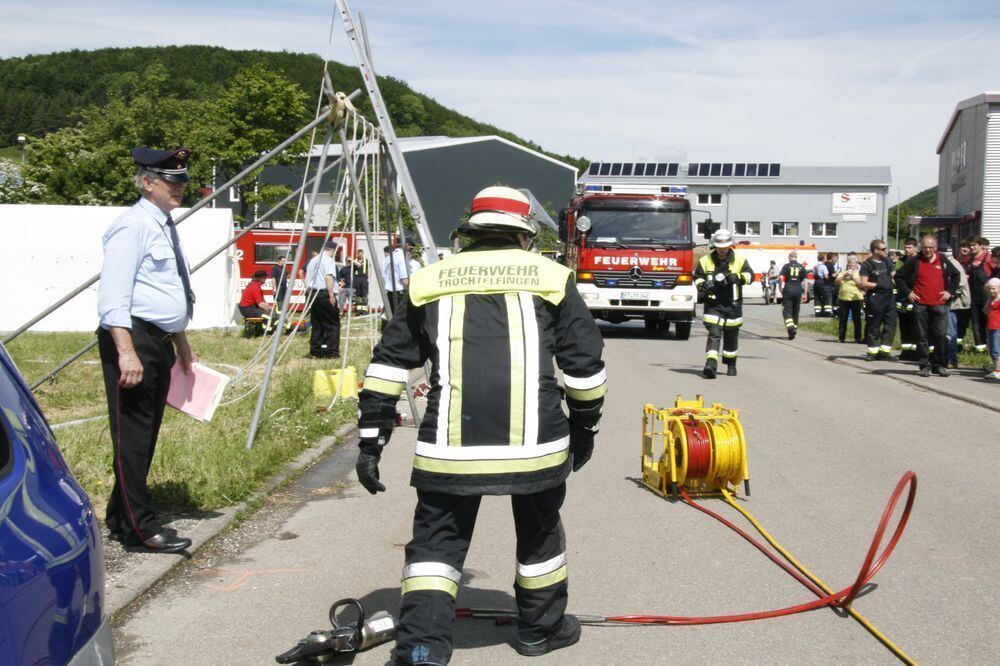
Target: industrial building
{"type": "Point", "coordinates": [447, 173]}
{"type": "Point", "coordinates": [968, 200]}
{"type": "Point", "coordinates": [838, 209]}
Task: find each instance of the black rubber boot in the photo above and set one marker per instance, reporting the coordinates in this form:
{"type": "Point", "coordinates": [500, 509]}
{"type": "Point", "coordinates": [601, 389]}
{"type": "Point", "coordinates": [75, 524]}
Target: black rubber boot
{"type": "Point", "coordinates": [711, 367]}
{"type": "Point", "coordinates": [791, 333]}
{"type": "Point", "coordinates": [731, 370]}
{"type": "Point", "coordinates": [567, 634]}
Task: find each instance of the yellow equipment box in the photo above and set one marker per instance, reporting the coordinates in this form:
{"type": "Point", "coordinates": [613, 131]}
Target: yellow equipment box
{"type": "Point", "coordinates": [328, 383]}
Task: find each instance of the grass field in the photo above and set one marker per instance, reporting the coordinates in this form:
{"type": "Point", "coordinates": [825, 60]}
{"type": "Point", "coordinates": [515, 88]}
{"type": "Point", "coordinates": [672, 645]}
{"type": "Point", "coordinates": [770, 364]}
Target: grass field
{"type": "Point", "coordinates": [966, 359]}
{"type": "Point", "coordinates": [197, 465]}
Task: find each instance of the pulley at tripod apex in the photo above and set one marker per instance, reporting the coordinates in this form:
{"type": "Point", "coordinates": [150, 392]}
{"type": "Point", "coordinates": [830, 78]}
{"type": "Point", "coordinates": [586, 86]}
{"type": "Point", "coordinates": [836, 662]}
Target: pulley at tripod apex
{"type": "Point", "coordinates": [702, 449]}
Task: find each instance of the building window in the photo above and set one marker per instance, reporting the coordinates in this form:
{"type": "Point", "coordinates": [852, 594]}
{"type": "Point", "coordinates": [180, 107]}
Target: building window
{"type": "Point", "coordinates": [784, 229]}
{"type": "Point", "coordinates": [234, 194]}
{"type": "Point", "coordinates": [824, 229]}
{"type": "Point", "coordinates": [746, 228]}
{"type": "Point", "coordinates": [708, 199]}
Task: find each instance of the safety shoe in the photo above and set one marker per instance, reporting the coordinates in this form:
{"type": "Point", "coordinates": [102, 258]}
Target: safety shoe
{"type": "Point", "coordinates": [791, 333]}
{"type": "Point", "coordinates": [940, 371]}
{"type": "Point", "coordinates": [567, 634]}
{"type": "Point", "coordinates": [731, 370]}
{"type": "Point", "coordinates": [924, 372]}
{"type": "Point", "coordinates": [709, 370]}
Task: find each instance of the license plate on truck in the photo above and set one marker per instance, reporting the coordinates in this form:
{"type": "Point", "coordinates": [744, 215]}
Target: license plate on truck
{"type": "Point", "coordinates": [635, 295]}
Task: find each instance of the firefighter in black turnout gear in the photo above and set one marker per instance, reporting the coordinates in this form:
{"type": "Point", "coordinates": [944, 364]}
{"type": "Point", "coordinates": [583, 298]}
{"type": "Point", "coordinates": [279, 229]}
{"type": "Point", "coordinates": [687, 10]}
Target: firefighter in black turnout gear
{"type": "Point", "coordinates": [491, 320]}
{"type": "Point", "coordinates": [792, 275]}
{"type": "Point", "coordinates": [880, 302]}
{"type": "Point", "coordinates": [720, 275]}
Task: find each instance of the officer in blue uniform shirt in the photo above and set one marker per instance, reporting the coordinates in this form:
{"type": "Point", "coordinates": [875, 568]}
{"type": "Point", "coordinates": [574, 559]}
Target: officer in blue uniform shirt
{"type": "Point", "coordinates": [144, 302]}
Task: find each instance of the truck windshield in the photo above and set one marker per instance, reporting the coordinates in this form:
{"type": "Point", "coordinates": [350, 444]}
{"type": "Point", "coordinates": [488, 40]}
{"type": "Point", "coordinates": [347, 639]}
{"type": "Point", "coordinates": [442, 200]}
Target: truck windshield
{"type": "Point", "coordinates": [646, 226]}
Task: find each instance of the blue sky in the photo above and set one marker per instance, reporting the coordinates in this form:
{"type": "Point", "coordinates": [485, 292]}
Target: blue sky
{"type": "Point", "coordinates": [796, 82]}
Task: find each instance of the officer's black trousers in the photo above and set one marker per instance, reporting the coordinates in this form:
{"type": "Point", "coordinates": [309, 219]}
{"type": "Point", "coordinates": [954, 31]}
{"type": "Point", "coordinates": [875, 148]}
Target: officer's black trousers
{"type": "Point", "coordinates": [932, 330]}
{"type": "Point", "coordinates": [442, 530]}
{"type": "Point", "coordinates": [135, 415]}
{"type": "Point", "coordinates": [852, 308]}
{"type": "Point", "coordinates": [791, 301]}
{"type": "Point", "coordinates": [728, 337]}
{"type": "Point", "coordinates": [324, 319]}
{"type": "Point", "coordinates": [880, 323]}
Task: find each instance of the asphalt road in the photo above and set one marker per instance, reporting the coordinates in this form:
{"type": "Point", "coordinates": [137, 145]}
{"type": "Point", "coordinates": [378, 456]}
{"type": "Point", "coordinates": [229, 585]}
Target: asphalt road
{"type": "Point", "coordinates": [827, 443]}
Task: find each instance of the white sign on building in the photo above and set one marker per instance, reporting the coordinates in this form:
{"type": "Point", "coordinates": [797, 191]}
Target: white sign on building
{"type": "Point", "coordinates": [864, 203]}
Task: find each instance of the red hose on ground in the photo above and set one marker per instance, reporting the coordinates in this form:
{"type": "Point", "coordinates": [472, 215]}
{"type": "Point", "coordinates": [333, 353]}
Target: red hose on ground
{"type": "Point", "coordinates": [840, 599]}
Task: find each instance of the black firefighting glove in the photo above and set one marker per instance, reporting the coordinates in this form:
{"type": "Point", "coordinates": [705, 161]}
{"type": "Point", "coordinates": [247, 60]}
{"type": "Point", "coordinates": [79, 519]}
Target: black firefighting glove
{"type": "Point", "coordinates": [581, 444]}
{"type": "Point", "coordinates": [367, 465]}
{"type": "Point", "coordinates": [732, 278]}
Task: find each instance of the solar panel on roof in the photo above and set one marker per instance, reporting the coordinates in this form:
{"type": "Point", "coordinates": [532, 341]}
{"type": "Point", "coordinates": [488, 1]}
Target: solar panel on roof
{"type": "Point", "coordinates": [775, 170]}
{"type": "Point", "coordinates": [672, 169]}
{"type": "Point", "coordinates": [616, 169]}
{"type": "Point", "coordinates": [704, 169]}
{"type": "Point", "coordinates": [627, 169]}
{"type": "Point", "coordinates": [640, 169]}
{"type": "Point", "coordinates": [751, 171]}
{"type": "Point", "coordinates": [605, 168]}
{"type": "Point", "coordinates": [741, 170]}
{"type": "Point", "coordinates": [727, 169]}
{"type": "Point", "coordinates": [716, 169]}
{"type": "Point", "coordinates": [594, 168]}
{"type": "Point", "coordinates": [693, 169]}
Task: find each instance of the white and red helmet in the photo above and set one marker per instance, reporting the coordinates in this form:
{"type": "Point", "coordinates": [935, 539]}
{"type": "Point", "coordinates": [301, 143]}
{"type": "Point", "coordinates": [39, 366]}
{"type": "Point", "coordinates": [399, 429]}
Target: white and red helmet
{"type": "Point", "coordinates": [501, 209]}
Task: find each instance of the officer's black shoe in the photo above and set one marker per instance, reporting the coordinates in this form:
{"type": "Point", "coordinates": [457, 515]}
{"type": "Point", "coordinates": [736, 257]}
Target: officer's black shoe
{"type": "Point", "coordinates": [924, 371]}
{"type": "Point", "coordinates": [940, 371]}
{"type": "Point", "coordinates": [731, 370]}
{"type": "Point", "coordinates": [709, 370]}
{"type": "Point", "coordinates": [567, 634]}
{"type": "Point", "coordinates": [163, 542]}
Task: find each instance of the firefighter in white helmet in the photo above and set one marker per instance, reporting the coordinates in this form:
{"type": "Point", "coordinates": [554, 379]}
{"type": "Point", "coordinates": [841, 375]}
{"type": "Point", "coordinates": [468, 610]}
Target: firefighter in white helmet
{"type": "Point", "coordinates": [720, 276]}
{"type": "Point", "coordinates": [491, 320]}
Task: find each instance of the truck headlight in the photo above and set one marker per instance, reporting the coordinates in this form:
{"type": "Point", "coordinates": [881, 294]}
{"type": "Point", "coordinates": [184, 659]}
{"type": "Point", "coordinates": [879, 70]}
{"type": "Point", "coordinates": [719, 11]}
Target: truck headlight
{"type": "Point", "coordinates": [590, 296]}
{"type": "Point", "coordinates": [681, 298]}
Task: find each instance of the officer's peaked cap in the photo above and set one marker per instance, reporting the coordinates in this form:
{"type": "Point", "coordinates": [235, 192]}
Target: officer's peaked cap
{"type": "Point", "coordinates": [170, 165]}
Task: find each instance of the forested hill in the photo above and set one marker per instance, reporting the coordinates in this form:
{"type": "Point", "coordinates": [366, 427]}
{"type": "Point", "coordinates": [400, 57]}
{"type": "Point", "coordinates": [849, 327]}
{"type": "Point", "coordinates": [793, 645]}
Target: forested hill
{"type": "Point", "coordinates": [43, 93]}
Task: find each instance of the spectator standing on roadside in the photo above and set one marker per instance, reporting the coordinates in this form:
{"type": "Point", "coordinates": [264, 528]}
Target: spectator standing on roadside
{"type": "Point", "coordinates": [928, 281]}
{"type": "Point", "coordinates": [959, 307]}
{"type": "Point", "coordinates": [792, 276]}
{"type": "Point", "coordinates": [963, 258]}
{"type": "Point", "coordinates": [979, 272]}
{"type": "Point", "coordinates": [876, 275]}
{"type": "Point", "coordinates": [849, 297]}
{"type": "Point", "coordinates": [993, 325]}
{"type": "Point", "coordinates": [820, 275]}
{"type": "Point", "coordinates": [904, 308]}
{"type": "Point", "coordinates": [773, 273]}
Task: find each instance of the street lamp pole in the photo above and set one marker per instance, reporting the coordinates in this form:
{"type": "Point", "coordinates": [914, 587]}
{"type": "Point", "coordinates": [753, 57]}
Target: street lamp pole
{"type": "Point", "coordinates": [898, 198]}
{"type": "Point", "coordinates": [21, 141]}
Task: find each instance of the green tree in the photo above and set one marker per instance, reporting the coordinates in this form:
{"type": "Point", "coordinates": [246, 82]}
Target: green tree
{"type": "Point", "coordinates": [258, 110]}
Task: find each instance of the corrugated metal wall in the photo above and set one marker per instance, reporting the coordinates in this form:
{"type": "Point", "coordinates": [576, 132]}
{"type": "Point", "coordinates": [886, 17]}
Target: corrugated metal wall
{"type": "Point", "coordinates": [991, 180]}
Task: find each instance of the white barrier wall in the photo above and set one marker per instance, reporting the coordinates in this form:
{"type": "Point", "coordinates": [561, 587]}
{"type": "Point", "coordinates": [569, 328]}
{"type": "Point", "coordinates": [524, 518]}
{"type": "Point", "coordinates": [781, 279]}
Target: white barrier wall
{"type": "Point", "coordinates": [47, 251]}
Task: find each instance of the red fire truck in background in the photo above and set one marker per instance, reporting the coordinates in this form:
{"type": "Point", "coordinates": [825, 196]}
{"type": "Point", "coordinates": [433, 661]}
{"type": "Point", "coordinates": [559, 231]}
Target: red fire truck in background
{"type": "Point", "coordinates": [632, 248]}
{"type": "Point", "coordinates": [261, 248]}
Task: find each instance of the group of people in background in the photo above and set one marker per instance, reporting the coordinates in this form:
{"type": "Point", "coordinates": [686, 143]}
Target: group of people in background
{"type": "Point", "coordinates": [933, 296]}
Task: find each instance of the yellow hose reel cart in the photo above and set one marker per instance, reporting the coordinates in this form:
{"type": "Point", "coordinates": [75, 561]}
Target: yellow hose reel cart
{"type": "Point", "coordinates": [701, 449]}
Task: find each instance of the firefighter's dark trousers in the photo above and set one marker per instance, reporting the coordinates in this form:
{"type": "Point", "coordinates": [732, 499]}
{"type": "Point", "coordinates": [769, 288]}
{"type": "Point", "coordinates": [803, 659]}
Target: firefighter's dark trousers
{"type": "Point", "coordinates": [724, 332]}
{"type": "Point", "coordinates": [324, 338]}
{"type": "Point", "coordinates": [442, 530]}
{"type": "Point", "coordinates": [932, 333]}
{"type": "Point", "coordinates": [977, 320]}
{"type": "Point", "coordinates": [135, 415]}
{"type": "Point", "coordinates": [791, 301]}
{"type": "Point", "coordinates": [880, 323]}
{"type": "Point", "coordinates": [907, 328]}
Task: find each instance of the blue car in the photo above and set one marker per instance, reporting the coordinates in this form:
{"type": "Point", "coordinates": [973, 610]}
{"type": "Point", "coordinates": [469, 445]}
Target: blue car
{"type": "Point", "coordinates": [51, 561]}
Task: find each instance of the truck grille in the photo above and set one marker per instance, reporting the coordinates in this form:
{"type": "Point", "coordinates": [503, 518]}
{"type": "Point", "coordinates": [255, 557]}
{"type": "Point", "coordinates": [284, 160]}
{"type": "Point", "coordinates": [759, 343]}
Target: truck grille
{"type": "Point", "coordinates": [621, 280]}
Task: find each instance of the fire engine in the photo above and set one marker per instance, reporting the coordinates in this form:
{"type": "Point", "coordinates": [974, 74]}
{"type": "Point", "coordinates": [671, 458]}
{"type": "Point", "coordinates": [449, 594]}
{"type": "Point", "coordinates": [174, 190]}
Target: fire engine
{"type": "Point", "coordinates": [260, 249]}
{"type": "Point", "coordinates": [632, 248]}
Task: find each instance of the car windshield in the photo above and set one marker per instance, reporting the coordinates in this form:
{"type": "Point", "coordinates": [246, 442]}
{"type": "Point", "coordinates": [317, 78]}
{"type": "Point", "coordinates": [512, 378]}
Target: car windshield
{"type": "Point", "coordinates": [634, 226]}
